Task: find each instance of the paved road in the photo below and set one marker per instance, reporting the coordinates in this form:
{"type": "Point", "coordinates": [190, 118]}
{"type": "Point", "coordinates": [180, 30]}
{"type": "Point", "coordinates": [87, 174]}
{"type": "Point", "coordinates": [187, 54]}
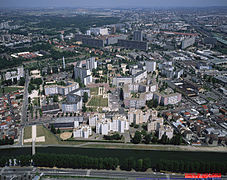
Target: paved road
{"type": "Point", "coordinates": [24, 109]}
{"type": "Point", "coordinates": [25, 99]}
{"type": "Point", "coordinates": [157, 147]}
{"type": "Point", "coordinates": [88, 173]}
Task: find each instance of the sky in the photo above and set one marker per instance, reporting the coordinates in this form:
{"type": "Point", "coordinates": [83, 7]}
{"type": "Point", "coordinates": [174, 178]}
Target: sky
{"type": "Point", "coordinates": [110, 3]}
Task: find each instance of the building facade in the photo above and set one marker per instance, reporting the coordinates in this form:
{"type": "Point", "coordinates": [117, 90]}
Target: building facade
{"type": "Point", "coordinates": [150, 66]}
{"type": "Point", "coordinates": [140, 45]}
{"type": "Point", "coordinates": [82, 131]}
{"type": "Point", "coordinates": [61, 90]}
{"type": "Point", "coordinates": [83, 74]}
{"type": "Point", "coordinates": [138, 36]}
{"type": "Point", "coordinates": [169, 99]}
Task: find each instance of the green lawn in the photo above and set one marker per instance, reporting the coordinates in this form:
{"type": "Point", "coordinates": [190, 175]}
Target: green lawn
{"type": "Point", "coordinates": [50, 138]}
{"type": "Point", "coordinates": [98, 101]}
{"type": "Point", "coordinates": [27, 132]}
{"type": "Point", "coordinates": [94, 91]}
{"type": "Point", "coordinates": [9, 89]}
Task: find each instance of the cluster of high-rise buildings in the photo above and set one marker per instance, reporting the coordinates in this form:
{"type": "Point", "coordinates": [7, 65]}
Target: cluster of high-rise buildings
{"type": "Point", "coordinates": [84, 73]}
{"type": "Point", "coordinates": [15, 75]}
{"type": "Point", "coordinates": [59, 89]}
{"type": "Point", "coordinates": [74, 100]}
{"type": "Point", "coordinates": [104, 125]}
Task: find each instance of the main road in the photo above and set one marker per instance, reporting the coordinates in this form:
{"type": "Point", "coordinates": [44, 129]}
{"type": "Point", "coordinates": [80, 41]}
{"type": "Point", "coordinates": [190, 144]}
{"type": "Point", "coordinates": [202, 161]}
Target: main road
{"type": "Point", "coordinates": [110, 174]}
{"type": "Point", "coordinates": [24, 108]}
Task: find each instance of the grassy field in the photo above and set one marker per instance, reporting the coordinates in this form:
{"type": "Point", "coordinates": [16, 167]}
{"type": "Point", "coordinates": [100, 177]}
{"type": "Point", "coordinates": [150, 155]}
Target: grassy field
{"type": "Point", "coordinates": [94, 91]}
{"type": "Point", "coordinates": [50, 138]}
{"type": "Point", "coordinates": [123, 153]}
{"type": "Point", "coordinates": [98, 101]}
{"type": "Point", "coordinates": [9, 89]}
{"type": "Point", "coordinates": [27, 132]}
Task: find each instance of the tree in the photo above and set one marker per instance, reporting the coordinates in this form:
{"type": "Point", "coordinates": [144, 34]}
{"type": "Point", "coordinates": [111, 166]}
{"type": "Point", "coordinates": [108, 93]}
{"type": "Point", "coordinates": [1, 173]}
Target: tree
{"type": "Point", "coordinates": [149, 103]}
{"type": "Point", "coordinates": [21, 81]}
{"type": "Point", "coordinates": [155, 103]}
{"type": "Point", "coordinates": [85, 98]}
{"type": "Point", "coordinates": [47, 100]}
{"type": "Point", "coordinates": [31, 87]}
{"type": "Point", "coordinates": [137, 138]}
{"type": "Point", "coordinates": [144, 126]}
{"type": "Point", "coordinates": [58, 131]}
{"type": "Point", "coordinates": [164, 139]}
{"type": "Point", "coordinates": [121, 95]}
{"type": "Point", "coordinates": [84, 109]}
{"type": "Point", "coordinates": [146, 164]}
{"type": "Point", "coordinates": [139, 165]}
{"type": "Point", "coordinates": [154, 138]}
{"type": "Point", "coordinates": [52, 129]}
{"type": "Point", "coordinates": [143, 133]}
{"type": "Point", "coordinates": [115, 136]}
{"type": "Point", "coordinates": [38, 101]}
{"type": "Point", "coordinates": [157, 79]}
{"type": "Point", "coordinates": [176, 140]}
{"type": "Point", "coordinates": [55, 98]}
{"type": "Point", "coordinates": [80, 82]}
{"type": "Point", "coordinates": [136, 126]}
{"type": "Point", "coordinates": [147, 139]}
{"type": "Point", "coordinates": [29, 100]}
{"type": "Point", "coordinates": [128, 164]}
{"type": "Point", "coordinates": [25, 160]}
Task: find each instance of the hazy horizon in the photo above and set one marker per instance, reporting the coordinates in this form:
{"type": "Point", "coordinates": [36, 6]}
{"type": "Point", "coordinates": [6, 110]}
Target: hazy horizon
{"type": "Point", "coordinates": [109, 3]}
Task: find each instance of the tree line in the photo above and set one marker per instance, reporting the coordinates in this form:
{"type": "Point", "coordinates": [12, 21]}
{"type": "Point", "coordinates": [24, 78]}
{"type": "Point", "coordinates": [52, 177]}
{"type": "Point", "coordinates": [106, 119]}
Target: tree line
{"type": "Point", "coordinates": [115, 136]}
{"type": "Point", "coordinates": [147, 138]}
{"type": "Point", "coordinates": [6, 141]}
{"type": "Point", "coordinates": [128, 164]}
